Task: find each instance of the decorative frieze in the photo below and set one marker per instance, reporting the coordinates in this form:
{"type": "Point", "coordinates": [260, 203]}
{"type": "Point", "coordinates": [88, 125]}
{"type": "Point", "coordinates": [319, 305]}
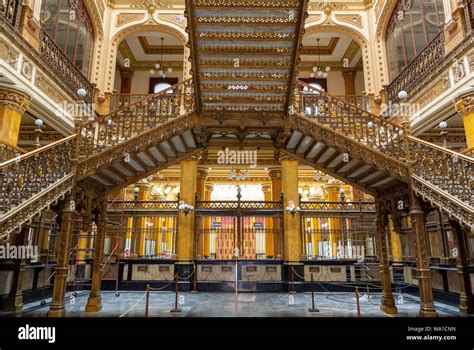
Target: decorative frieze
{"type": "Point", "coordinates": [124, 18]}
{"type": "Point", "coordinates": [14, 99]}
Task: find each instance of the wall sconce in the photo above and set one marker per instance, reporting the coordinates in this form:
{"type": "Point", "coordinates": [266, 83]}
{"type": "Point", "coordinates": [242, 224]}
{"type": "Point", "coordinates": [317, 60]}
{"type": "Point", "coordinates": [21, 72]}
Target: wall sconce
{"type": "Point", "coordinates": [292, 209]}
{"type": "Point", "coordinates": [187, 208]}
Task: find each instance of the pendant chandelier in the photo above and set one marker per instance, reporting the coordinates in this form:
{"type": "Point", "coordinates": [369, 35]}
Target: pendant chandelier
{"type": "Point", "coordinates": [159, 66]}
{"type": "Point", "coordinates": [318, 70]}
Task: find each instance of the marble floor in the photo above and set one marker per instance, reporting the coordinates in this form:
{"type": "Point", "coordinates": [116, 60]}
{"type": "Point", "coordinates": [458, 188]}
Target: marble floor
{"type": "Point", "coordinates": [132, 304]}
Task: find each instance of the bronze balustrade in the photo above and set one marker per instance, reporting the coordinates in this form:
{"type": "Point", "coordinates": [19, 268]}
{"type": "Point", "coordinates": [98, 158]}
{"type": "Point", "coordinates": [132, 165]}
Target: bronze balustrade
{"type": "Point", "coordinates": [338, 206]}
{"type": "Point", "coordinates": [11, 11]}
{"type": "Point", "coordinates": [275, 205]}
{"type": "Point", "coordinates": [450, 171]}
{"type": "Point", "coordinates": [132, 205]}
{"type": "Point", "coordinates": [356, 100]}
{"type": "Point", "coordinates": [63, 66]}
{"type": "Point", "coordinates": [23, 177]}
{"type": "Point", "coordinates": [137, 118]}
{"type": "Point", "coordinates": [8, 151]}
{"type": "Point", "coordinates": [347, 119]}
{"type": "Point", "coordinates": [412, 75]}
{"type": "Point", "coordinates": [120, 101]}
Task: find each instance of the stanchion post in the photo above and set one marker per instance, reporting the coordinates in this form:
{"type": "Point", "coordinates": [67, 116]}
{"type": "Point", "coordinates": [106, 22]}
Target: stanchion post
{"type": "Point", "coordinates": [176, 309]}
{"type": "Point", "coordinates": [358, 301]}
{"type": "Point", "coordinates": [195, 291]}
{"type": "Point", "coordinates": [147, 299]}
{"type": "Point", "coordinates": [313, 308]}
{"type": "Point", "coordinates": [292, 291]}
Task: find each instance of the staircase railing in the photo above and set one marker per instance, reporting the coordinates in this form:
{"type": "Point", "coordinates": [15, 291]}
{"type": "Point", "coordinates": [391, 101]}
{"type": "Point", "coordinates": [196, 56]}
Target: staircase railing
{"type": "Point", "coordinates": [23, 177]}
{"type": "Point", "coordinates": [8, 151]}
{"type": "Point", "coordinates": [449, 171]}
{"type": "Point", "coordinates": [349, 120]}
{"type": "Point", "coordinates": [136, 118]}
{"type": "Point", "coordinates": [120, 101]}
{"type": "Point", "coordinates": [11, 11]}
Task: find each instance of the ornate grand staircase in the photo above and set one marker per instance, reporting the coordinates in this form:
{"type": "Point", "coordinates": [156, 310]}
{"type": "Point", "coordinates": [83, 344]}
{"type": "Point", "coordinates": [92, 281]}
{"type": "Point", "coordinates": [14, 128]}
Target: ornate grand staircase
{"type": "Point", "coordinates": [375, 155]}
{"type": "Point", "coordinates": [111, 151]}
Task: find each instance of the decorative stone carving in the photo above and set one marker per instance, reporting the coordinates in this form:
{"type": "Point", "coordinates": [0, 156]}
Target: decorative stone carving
{"type": "Point", "coordinates": [8, 54]}
{"type": "Point", "coordinates": [124, 18]}
{"type": "Point", "coordinates": [465, 103]}
{"type": "Point", "coordinates": [459, 70]}
{"type": "Point", "coordinates": [14, 99]}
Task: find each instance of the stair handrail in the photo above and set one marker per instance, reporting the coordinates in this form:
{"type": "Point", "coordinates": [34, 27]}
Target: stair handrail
{"type": "Point", "coordinates": [110, 130]}
{"type": "Point", "coordinates": [149, 96]}
{"type": "Point", "coordinates": [324, 93]}
{"type": "Point", "coordinates": [37, 151]}
{"type": "Point", "coordinates": [350, 121]}
{"type": "Point", "coordinates": [457, 172]}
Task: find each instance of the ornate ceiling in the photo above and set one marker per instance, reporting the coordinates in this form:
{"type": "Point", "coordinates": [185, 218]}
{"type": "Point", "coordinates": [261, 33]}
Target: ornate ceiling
{"type": "Point", "coordinates": [244, 53]}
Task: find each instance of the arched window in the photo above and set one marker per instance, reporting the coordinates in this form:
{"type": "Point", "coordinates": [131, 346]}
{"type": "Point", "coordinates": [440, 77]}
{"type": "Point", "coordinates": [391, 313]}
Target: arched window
{"type": "Point", "coordinates": [413, 25]}
{"type": "Point", "coordinates": [69, 25]}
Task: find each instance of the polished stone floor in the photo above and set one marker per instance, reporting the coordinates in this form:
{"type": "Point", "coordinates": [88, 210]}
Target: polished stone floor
{"type": "Point", "coordinates": [132, 304]}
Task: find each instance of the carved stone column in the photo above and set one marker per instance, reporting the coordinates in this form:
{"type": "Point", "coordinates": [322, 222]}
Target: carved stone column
{"type": "Point", "coordinates": [13, 104]}
{"type": "Point", "coordinates": [388, 303]}
{"type": "Point", "coordinates": [466, 299]}
{"type": "Point", "coordinates": [417, 214]}
{"type": "Point", "coordinates": [465, 107]}
{"type": "Point", "coordinates": [94, 303]}
{"type": "Point", "coordinates": [57, 308]}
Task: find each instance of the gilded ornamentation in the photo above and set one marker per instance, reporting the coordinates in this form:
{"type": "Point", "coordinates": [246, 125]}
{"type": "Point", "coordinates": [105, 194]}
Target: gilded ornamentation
{"type": "Point", "coordinates": [251, 87]}
{"type": "Point", "coordinates": [246, 20]}
{"type": "Point", "coordinates": [243, 75]}
{"type": "Point", "coordinates": [247, 3]}
{"type": "Point", "coordinates": [250, 62]}
{"type": "Point", "coordinates": [152, 5]}
{"type": "Point", "coordinates": [434, 91]}
{"type": "Point", "coordinates": [465, 104]}
{"type": "Point", "coordinates": [124, 18]}
{"type": "Point", "coordinates": [52, 92]}
{"type": "Point", "coordinates": [245, 49]}
{"type": "Point", "coordinates": [246, 35]}
{"type": "Point", "coordinates": [9, 54]}
{"type": "Point", "coordinates": [14, 99]}
{"type": "Point", "coordinates": [320, 5]}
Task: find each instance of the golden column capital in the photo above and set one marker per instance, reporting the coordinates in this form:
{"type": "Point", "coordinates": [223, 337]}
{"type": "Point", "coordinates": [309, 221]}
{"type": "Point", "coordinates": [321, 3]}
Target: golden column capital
{"type": "Point", "coordinates": [266, 187]}
{"type": "Point", "coordinates": [202, 173]}
{"type": "Point", "coordinates": [274, 173]}
{"type": "Point", "coordinates": [465, 103]}
{"type": "Point", "coordinates": [209, 187]}
{"type": "Point", "coordinates": [14, 99]}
